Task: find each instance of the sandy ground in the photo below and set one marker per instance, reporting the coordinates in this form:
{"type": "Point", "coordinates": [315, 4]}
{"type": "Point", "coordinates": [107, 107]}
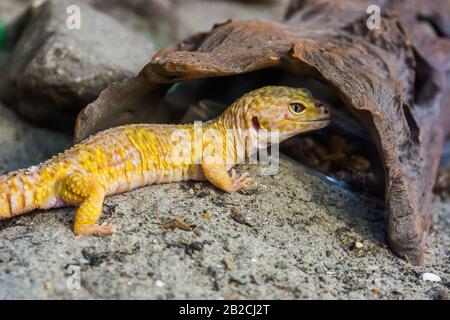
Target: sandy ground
{"type": "Point", "coordinates": [289, 236]}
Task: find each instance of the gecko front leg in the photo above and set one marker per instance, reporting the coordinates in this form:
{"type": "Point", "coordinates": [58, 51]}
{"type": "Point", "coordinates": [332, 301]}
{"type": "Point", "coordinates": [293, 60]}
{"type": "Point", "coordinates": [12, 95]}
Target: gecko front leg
{"type": "Point", "coordinates": [88, 194]}
{"type": "Point", "coordinates": [217, 174]}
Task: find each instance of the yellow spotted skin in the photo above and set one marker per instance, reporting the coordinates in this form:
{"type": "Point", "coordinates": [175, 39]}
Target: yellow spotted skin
{"type": "Point", "coordinates": [124, 158]}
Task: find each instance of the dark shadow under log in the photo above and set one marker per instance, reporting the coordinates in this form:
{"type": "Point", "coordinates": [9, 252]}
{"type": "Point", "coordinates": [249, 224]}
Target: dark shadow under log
{"type": "Point", "coordinates": [377, 74]}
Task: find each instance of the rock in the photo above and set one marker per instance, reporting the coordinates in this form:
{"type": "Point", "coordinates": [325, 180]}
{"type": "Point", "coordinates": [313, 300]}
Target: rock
{"type": "Point", "coordinates": [192, 14]}
{"type": "Point", "coordinates": [11, 9]}
{"type": "Point", "coordinates": [23, 145]}
{"type": "Point", "coordinates": [173, 20]}
{"type": "Point", "coordinates": [54, 71]}
{"type": "Point", "coordinates": [428, 276]}
{"type": "Point", "coordinates": [10, 12]}
{"type": "Point", "coordinates": [156, 17]}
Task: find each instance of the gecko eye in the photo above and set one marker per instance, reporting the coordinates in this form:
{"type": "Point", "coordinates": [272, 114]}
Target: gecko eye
{"type": "Point", "coordinates": [296, 107]}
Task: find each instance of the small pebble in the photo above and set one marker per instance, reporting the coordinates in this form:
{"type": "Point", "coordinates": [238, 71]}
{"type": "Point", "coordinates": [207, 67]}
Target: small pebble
{"type": "Point", "coordinates": [48, 285]}
{"type": "Point", "coordinates": [228, 264]}
{"type": "Point", "coordinates": [320, 269]}
{"type": "Point", "coordinates": [239, 217]}
{"type": "Point", "coordinates": [206, 215]}
{"type": "Point", "coordinates": [258, 279]}
{"type": "Point", "coordinates": [159, 283]}
{"type": "Point", "coordinates": [358, 245]}
{"type": "Point", "coordinates": [197, 232]}
{"type": "Point", "coordinates": [196, 246]}
{"type": "Point", "coordinates": [5, 256]}
{"type": "Point", "coordinates": [428, 276]}
{"type": "Point", "coordinates": [376, 290]}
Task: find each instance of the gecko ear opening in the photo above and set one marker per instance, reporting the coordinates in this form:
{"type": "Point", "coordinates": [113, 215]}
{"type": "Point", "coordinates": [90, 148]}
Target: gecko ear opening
{"type": "Point", "coordinates": [255, 124]}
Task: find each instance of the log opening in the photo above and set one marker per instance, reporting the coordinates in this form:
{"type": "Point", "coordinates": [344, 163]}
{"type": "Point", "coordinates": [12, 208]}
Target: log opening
{"type": "Point", "coordinates": [343, 151]}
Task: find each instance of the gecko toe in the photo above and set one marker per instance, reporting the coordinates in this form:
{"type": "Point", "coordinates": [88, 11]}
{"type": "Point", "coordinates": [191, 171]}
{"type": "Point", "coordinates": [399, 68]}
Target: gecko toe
{"type": "Point", "coordinates": [240, 181]}
{"type": "Point", "coordinates": [101, 230]}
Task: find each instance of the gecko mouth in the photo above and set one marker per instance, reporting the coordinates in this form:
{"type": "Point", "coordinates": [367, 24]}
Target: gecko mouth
{"type": "Point", "coordinates": [315, 121]}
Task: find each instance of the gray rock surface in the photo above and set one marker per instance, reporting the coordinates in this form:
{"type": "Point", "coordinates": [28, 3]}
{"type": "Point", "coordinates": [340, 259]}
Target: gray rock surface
{"type": "Point", "coordinates": [55, 71]}
{"type": "Point", "coordinates": [10, 9]}
{"type": "Point", "coordinates": [170, 21]}
{"type": "Point", "coordinates": [23, 145]}
{"type": "Point", "coordinates": [192, 13]}
{"type": "Point", "coordinates": [289, 236]}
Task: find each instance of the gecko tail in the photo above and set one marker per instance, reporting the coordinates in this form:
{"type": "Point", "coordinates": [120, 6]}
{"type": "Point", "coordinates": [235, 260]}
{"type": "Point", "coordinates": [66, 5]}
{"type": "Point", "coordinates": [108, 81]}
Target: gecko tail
{"type": "Point", "coordinates": [17, 195]}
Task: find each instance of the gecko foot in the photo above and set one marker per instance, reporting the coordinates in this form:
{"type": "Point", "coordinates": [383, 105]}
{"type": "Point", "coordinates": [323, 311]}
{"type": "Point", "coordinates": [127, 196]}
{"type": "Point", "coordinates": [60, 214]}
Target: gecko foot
{"type": "Point", "coordinates": [96, 229]}
{"type": "Point", "coordinates": [240, 181]}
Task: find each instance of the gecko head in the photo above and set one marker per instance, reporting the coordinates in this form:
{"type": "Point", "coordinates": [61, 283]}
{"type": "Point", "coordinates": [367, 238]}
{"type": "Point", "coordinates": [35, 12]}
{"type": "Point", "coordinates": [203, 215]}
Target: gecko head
{"type": "Point", "coordinates": [288, 110]}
